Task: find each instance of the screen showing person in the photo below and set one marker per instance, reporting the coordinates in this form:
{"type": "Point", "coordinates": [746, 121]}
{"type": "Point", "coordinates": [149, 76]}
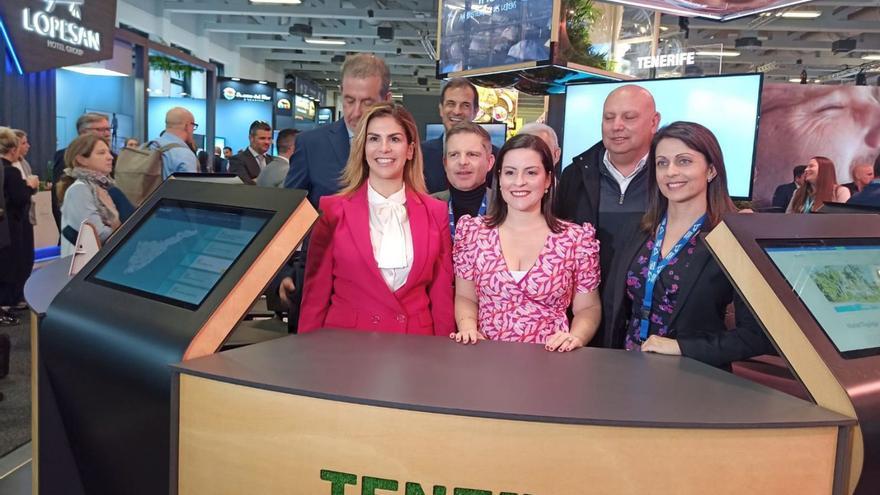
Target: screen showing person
{"type": "Point", "coordinates": [489, 33]}
{"type": "Point", "coordinates": [839, 283]}
{"type": "Point", "coordinates": [726, 104]}
{"type": "Point", "coordinates": [180, 251]}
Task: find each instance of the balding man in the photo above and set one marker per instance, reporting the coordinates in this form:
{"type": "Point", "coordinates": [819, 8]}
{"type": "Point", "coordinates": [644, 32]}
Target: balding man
{"type": "Point", "coordinates": [607, 184]}
{"type": "Point", "coordinates": [178, 137]}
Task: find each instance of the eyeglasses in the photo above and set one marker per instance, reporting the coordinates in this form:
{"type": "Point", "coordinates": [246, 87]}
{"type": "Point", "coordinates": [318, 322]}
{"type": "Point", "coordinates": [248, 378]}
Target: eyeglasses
{"type": "Point", "coordinates": [195, 126]}
{"type": "Point", "coordinates": [99, 129]}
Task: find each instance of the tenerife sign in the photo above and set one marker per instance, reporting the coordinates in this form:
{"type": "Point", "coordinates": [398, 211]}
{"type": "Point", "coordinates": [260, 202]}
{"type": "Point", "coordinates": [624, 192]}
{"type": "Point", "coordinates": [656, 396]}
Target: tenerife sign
{"type": "Point", "coordinates": [46, 34]}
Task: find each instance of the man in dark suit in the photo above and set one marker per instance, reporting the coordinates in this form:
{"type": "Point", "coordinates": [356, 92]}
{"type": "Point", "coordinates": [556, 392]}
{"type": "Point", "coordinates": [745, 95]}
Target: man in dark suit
{"type": "Point", "coordinates": [784, 192]}
{"type": "Point", "coordinates": [221, 165]}
{"type": "Point", "coordinates": [459, 102]}
{"type": "Point", "coordinates": [321, 153]}
{"type": "Point", "coordinates": [250, 161]}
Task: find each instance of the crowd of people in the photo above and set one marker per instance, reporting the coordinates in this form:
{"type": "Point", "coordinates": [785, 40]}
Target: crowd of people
{"type": "Point", "coordinates": [455, 237]}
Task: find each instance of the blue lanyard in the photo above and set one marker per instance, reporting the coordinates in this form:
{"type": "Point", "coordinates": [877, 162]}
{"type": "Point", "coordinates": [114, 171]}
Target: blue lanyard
{"type": "Point", "coordinates": [656, 267]}
{"type": "Point", "coordinates": [452, 217]}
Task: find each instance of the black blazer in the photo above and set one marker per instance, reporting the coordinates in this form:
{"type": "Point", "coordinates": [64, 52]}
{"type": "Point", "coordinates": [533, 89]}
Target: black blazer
{"type": "Point", "coordinates": [782, 195]}
{"type": "Point", "coordinates": [245, 166]}
{"type": "Point", "coordinates": [697, 322]}
{"type": "Point", "coordinates": [577, 195]}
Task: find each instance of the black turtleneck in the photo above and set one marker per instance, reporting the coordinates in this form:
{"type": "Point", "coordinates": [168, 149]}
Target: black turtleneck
{"type": "Point", "coordinates": [466, 202]}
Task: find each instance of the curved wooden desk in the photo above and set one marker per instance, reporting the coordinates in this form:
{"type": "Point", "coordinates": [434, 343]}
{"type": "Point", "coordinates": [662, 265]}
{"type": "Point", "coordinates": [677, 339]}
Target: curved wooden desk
{"type": "Point", "coordinates": [380, 413]}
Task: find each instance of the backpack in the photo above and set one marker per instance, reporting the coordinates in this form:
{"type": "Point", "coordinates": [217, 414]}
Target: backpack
{"type": "Point", "coordinates": [139, 170]}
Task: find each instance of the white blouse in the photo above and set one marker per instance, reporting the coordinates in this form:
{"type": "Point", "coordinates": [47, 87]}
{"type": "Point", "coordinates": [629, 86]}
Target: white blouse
{"type": "Point", "coordinates": [390, 235]}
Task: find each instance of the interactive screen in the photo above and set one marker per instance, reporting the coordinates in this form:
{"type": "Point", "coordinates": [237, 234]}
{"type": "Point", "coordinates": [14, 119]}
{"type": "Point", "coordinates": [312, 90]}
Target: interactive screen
{"type": "Point", "coordinates": [726, 105]}
{"type": "Point", "coordinates": [497, 132]}
{"type": "Point", "coordinates": [839, 283]}
{"type": "Point", "coordinates": [180, 251]}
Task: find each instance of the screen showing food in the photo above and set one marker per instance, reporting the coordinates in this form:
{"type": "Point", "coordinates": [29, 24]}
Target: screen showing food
{"type": "Point", "coordinates": [180, 251]}
{"type": "Point", "coordinates": [726, 105]}
{"type": "Point", "coordinates": [839, 283]}
{"type": "Point", "coordinates": [497, 132]}
{"type": "Point", "coordinates": [490, 33]}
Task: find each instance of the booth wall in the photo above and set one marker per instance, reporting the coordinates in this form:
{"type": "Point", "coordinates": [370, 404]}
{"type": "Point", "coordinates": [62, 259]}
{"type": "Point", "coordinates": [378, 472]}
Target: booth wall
{"type": "Point", "coordinates": [159, 106]}
{"type": "Point", "coordinates": [77, 93]}
{"type": "Point", "coordinates": [27, 102]}
{"type": "Point", "coordinates": [234, 118]}
{"type": "Point", "coordinates": [186, 31]}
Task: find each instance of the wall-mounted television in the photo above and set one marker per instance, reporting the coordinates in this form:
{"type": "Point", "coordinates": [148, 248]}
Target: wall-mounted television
{"type": "Point", "coordinates": [497, 132]}
{"type": "Point", "coordinates": [729, 105]}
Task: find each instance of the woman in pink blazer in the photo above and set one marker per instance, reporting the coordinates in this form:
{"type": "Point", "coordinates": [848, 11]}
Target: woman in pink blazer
{"type": "Point", "coordinates": [380, 256]}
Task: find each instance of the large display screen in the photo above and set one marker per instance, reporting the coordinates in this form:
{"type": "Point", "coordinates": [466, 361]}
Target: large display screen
{"type": "Point", "coordinates": [489, 33]}
{"type": "Point", "coordinates": [180, 251]}
{"type": "Point", "coordinates": [726, 105]}
{"type": "Point", "coordinates": [839, 283]}
{"type": "Point", "coordinates": [497, 132]}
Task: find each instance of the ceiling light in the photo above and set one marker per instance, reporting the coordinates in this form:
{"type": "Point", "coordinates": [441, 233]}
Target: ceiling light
{"type": "Point", "coordinates": [277, 2]}
{"type": "Point", "coordinates": [262, 82]}
{"type": "Point", "coordinates": [183, 93]}
{"type": "Point", "coordinates": [795, 80]}
{"type": "Point", "coordinates": [320, 41]}
{"type": "Point", "coordinates": [94, 71]}
{"type": "Point", "coordinates": [717, 53]}
{"type": "Point", "coordinates": [283, 90]}
{"type": "Point", "coordinates": [872, 56]}
{"type": "Point", "coordinates": [801, 14]}
{"type": "Point", "coordinates": [236, 79]}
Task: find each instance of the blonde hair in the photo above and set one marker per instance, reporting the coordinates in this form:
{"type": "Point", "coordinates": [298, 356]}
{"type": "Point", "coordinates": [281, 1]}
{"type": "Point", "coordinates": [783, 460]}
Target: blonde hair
{"type": "Point", "coordinates": [8, 140]}
{"type": "Point", "coordinates": [356, 171]}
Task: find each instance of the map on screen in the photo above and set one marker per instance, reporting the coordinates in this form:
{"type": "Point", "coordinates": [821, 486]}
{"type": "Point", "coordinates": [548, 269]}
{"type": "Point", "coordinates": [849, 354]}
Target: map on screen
{"type": "Point", "coordinates": [840, 286]}
{"type": "Point", "coordinates": [180, 251]}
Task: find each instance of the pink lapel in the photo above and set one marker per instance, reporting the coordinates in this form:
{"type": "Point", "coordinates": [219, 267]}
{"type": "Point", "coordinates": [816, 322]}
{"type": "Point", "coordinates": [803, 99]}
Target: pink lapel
{"type": "Point", "coordinates": [357, 212]}
{"type": "Point", "coordinates": [419, 226]}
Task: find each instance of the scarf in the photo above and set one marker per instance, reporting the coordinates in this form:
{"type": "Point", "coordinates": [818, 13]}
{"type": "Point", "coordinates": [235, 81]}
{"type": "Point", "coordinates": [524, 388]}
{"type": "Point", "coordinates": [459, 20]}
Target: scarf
{"type": "Point", "coordinates": [99, 184]}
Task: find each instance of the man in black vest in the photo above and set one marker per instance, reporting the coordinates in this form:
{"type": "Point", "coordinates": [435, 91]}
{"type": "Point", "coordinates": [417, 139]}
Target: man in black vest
{"type": "Point", "coordinates": [607, 184]}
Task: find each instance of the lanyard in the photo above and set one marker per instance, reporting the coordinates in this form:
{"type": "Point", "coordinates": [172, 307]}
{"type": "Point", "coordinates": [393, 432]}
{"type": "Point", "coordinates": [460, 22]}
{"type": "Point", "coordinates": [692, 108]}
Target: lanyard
{"type": "Point", "coordinates": [657, 265]}
{"type": "Point", "coordinates": [481, 212]}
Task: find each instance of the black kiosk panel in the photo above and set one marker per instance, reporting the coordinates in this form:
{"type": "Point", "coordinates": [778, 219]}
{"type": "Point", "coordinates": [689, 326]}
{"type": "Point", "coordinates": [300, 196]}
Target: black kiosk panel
{"type": "Point", "coordinates": [186, 266]}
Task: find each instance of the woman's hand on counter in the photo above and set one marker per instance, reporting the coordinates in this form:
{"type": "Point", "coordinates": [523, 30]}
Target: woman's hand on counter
{"type": "Point", "coordinates": [661, 345]}
{"type": "Point", "coordinates": [563, 342]}
{"type": "Point", "coordinates": [467, 335]}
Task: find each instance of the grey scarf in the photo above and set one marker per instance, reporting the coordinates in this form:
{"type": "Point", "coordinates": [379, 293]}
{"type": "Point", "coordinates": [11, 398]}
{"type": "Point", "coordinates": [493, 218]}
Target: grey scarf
{"type": "Point", "coordinates": [96, 181]}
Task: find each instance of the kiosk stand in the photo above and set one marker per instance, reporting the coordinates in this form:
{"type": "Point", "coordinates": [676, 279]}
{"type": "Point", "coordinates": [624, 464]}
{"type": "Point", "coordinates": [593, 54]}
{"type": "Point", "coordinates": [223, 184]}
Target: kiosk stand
{"type": "Point", "coordinates": [814, 283]}
{"type": "Point", "coordinates": [170, 285]}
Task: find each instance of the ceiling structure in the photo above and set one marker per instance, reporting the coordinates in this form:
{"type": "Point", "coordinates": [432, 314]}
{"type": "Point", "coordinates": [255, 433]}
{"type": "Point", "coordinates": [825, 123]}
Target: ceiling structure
{"type": "Point", "coordinates": [788, 45]}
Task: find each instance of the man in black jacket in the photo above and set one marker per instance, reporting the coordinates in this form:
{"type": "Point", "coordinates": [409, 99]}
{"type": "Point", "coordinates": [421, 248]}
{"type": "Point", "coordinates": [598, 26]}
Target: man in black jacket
{"type": "Point", "coordinates": [782, 195]}
{"type": "Point", "coordinates": [607, 184]}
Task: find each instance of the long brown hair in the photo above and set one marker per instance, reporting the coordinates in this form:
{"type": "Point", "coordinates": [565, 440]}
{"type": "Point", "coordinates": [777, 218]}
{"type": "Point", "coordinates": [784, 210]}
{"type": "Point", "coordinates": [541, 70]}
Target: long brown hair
{"type": "Point", "coordinates": [84, 146]}
{"type": "Point", "coordinates": [356, 171]}
{"type": "Point", "coordinates": [498, 209]}
{"type": "Point", "coordinates": [701, 140]}
{"type": "Point", "coordinates": [821, 191]}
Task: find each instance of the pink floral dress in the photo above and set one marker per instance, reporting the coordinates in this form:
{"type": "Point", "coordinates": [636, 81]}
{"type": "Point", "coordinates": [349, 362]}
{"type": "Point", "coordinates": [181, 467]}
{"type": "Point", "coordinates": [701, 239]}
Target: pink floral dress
{"type": "Point", "coordinates": [532, 309]}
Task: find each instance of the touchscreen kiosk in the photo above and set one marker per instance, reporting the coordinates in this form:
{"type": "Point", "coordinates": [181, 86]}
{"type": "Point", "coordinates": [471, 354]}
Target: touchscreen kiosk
{"type": "Point", "coordinates": [170, 285]}
{"type": "Point", "coordinates": [813, 281]}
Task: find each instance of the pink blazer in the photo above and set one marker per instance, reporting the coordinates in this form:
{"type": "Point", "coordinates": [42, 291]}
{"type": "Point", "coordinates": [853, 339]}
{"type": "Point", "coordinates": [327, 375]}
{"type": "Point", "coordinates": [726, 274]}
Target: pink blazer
{"type": "Point", "coordinates": [343, 287]}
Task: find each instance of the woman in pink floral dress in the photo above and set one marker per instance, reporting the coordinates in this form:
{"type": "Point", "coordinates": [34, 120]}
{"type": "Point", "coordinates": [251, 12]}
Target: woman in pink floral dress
{"type": "Point", "coordinates": [518, 269]}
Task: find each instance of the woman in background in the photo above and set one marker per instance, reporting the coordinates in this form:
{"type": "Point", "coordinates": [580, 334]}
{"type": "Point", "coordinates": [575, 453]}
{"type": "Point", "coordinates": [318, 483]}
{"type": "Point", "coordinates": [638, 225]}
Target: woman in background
{"type": "Point", "coordinates": [519, 268]}
{"type": "Point", "coordinates": [667, 293]}
{"type": "Point", "coordinates": [820, 186]}
{"type": "Point", "coordinates": [33, 183]}
{"type": "Point", "coordinates": [379, 257]}
{"type": "Point", "coordinates": [84, 191]}
{"type": "Point", "coordinates": [16, 205]}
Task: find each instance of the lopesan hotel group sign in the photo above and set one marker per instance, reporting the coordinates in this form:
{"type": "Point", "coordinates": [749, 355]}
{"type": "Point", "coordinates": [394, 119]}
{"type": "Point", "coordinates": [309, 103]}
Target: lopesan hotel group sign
{"type": "Point", "coordinates": [46, 34]}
